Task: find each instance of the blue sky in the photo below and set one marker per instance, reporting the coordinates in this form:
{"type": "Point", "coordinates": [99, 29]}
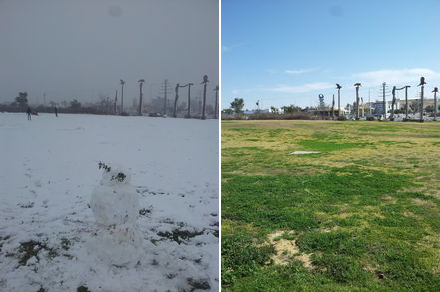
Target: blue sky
{"type": "Point", "coordinates": [288, 52]}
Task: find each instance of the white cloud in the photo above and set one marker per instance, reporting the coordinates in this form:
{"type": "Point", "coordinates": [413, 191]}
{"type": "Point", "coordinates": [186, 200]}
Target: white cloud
{"type": "Point", "coordinates": [301, 71]}
{"type": "Point", "coordinates": [373, 78]}
{"type": "Point", "coordinates": [229, 48]}
{"type": "Point", "coordinates": [303, 88]}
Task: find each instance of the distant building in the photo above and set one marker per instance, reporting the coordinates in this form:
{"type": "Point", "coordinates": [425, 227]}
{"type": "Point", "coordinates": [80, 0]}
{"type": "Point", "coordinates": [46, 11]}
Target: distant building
{"type": "Point", "coordinates": [400, 104]}
{"type": "Point", "coordinates": [251, 112]}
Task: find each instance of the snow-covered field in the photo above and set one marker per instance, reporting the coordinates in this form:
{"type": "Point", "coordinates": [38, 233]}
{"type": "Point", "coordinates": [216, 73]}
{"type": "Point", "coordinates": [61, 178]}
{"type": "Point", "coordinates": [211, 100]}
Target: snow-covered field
{"type": "Point", "coordinates": [49, 238]}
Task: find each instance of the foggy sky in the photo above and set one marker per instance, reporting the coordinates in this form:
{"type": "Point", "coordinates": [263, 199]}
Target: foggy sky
{"type": "Point", "coordinates": [81, 48]}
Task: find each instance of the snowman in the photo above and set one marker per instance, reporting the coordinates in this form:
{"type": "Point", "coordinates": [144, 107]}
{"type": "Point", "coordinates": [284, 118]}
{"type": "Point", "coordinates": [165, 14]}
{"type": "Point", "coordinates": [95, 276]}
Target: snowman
{"type": "Point", "coordinates": [115, 206]}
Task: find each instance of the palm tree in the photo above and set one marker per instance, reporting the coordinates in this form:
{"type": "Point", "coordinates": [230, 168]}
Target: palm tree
{"type": "Point", "coordinates": [216, 102]}
{"type": "Point", "coordinates": [205, 81]}
{"type": "Point", "coordinates": [141, 83]}
{"type": "Point", "coordinates": [338, 87]}
{"type": "Point", "coordinates": [175, 100]}
{"type": "Point", "coordinates": [435, 103]}
{"type": "Point", "coordinates": [357, 85]}
{"type": "Point", "coordinates": [422, 84]}
{"type": "Point", "coordinates": [122, 96]}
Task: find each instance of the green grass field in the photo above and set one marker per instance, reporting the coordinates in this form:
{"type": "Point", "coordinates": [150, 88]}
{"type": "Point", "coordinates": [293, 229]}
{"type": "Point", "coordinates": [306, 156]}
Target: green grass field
{"type": "Point", "coordinates": [361, 215]}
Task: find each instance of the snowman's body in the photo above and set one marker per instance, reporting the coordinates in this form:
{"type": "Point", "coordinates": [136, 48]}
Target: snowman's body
{"type": "Point", "coordinates": [115, 204]}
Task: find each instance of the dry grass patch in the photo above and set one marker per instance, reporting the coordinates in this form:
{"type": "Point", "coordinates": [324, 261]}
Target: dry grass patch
{"type": "Point", "coordinates": [286, 250]}
{"type": "Point", "coordinates": [424, 203]}
{"type": "Point", "coordinates": [389, 199]}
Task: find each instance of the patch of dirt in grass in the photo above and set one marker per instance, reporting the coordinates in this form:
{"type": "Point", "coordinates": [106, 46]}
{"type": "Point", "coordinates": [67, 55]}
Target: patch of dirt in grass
{"type": "Point", "coordinates": [287, 171]}
{"type": "Point", "coordinates": [389, 199]}
{"type": "Point", "coordinates": [328, 230]}
{"type": "Point", "coordinates": [344, 215]}
{"type": "Point", "coordinates": [424, 203]}
{"type": "Point", "coordinates": [434, 193]}
{"type": "Point", "coordinates": [286, 250]}
{"type": "Point", "coordinates": [409, 214]}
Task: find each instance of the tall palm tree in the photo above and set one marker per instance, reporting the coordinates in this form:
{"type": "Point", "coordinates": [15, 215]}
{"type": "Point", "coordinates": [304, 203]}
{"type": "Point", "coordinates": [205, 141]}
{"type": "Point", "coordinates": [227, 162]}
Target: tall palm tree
{"type": "Point", "coordinates": [422, 84]}
{"type": "Point", "coordinates": [205, 81]}
{"type": "Point", "coordinates": [175, 100]}
{"type": "Point", "coordinates": [435, 103]}
{"type": "Point", "coordinates": [216, 101]}
{"type": "Point", "coordinates": [338, 87]}
{"type": "Point", "coordinates": [357, 85]}
{"type": "Point", "coordinates": [141, 83]}
{"type": "Point", "coordinates": [122, 95]}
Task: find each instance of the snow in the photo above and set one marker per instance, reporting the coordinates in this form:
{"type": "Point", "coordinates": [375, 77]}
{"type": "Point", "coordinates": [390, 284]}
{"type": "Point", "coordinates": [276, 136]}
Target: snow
{"type": "Point", "coordinates": [50, 237]}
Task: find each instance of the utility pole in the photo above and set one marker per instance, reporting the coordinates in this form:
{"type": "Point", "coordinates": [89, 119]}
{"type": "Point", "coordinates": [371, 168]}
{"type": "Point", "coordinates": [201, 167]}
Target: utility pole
{"type": "Point", "coordinates": [422, 84]}
{"type": "Point", "coordinates": [205, 81]}
{"type": "Point", "coordinates": [122, 96]}
{"type": "Point", "coordinates": [369, 102]}
{"type": "Point", "coordinates": [406, 101]}
{"type": "Point", "coordinates": [338, 87]}
{"type": "Point", "coordinates": [216, 102]}
{"type": "Point", "coordinates": [141, 83]}
{"type": "Point", "coordinates": [44, 98]}
{"type": "Point", "coordinates": [188, 115]}
{"type": "Point", "coordinates": [116, 100]}
{"type": "Point", "coordinates": [435, 103]}
{"type": "Point", "coordinates": [406, 98]}
{"type": "Point", "coordinates": [357, 99]}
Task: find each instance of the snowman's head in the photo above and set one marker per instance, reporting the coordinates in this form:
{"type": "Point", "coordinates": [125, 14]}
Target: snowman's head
{"type": "Point", "coordinates": [115, 175]}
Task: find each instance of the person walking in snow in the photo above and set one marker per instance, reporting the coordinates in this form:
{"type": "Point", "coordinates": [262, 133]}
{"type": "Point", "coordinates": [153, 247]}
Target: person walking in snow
{"type": "Point", "coordinates": [29, 112]}
{"type": "Point", "coordinates": [56, 111]}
